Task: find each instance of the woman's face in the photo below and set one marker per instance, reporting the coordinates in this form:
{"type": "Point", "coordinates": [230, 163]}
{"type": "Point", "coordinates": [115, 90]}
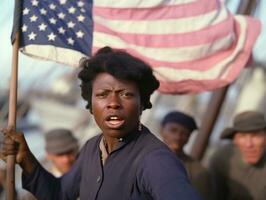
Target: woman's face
{"type": "Point", "coordinates": [115, 105]}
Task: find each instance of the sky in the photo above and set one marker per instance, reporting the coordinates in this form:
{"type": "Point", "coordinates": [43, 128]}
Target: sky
{"type": "Point", "coordinates": [31, 71]}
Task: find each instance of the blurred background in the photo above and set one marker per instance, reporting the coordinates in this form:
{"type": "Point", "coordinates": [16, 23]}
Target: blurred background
{"type": "Point", "coordinates": [49, 94]}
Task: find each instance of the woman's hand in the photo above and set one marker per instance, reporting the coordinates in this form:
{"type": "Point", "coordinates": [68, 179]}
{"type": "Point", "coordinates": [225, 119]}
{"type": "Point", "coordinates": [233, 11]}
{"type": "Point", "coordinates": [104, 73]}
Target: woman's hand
{"type": "Point", "coordinates": [15, 144]}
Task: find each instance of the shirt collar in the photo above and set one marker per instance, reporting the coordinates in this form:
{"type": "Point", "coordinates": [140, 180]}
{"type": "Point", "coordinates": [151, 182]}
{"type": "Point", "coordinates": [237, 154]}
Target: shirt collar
{"type": "Point", "coordinates": [122, 142]}
{"type": "Point", "coordinates": [103, 151]}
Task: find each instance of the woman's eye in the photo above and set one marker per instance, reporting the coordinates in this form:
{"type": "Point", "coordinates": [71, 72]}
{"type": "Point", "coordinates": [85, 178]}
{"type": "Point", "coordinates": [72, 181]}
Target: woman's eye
{"type": "Point", "coordinates": [101, 95]}
{"type": "Point", "coordinates": [127, 94]}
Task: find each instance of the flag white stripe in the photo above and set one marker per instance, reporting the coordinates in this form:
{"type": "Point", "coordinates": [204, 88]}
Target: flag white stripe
{"type": "Point", "coordinates": [49, 52]}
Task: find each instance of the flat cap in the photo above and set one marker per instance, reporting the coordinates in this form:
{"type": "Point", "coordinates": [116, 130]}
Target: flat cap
{"type": "Point", "coordinates": [180, 118]}
{"type": "Point", "coordinates": [60, 141]}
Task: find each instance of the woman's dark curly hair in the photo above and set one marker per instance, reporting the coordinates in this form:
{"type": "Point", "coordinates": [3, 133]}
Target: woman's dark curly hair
{"type": "Point", "coordinates": [120, 65]}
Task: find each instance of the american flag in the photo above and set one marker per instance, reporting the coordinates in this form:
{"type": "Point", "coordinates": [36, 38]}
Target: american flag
{"type": "Point", "coordinates": [59, 30]}
{"type": "Point", "coordinates": [192, 45]}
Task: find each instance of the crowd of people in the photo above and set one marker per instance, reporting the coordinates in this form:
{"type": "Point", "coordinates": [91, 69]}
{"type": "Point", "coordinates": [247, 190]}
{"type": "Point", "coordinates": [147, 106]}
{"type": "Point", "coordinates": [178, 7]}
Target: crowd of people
{"type": "Point", "coordinates": [236, 170]}
{"type": "Point", "coordinates": [127, 161]}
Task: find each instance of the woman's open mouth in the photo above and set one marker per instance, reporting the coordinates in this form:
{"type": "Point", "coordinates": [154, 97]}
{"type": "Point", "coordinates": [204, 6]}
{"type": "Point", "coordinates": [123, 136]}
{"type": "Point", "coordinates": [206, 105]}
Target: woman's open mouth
{"type": "Point", "coordinates": [114, 122]}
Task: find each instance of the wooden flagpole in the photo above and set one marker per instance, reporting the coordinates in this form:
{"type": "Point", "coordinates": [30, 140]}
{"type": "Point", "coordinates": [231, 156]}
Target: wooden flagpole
{"type": "Point", "coordinates": [210, 117]}
{"type": "Point", "coordinates": [10, 179]}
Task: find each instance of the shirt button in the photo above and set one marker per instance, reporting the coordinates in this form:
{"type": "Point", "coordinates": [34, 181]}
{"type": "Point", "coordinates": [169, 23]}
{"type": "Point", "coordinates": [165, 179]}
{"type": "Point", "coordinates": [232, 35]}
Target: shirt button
{"type": "Point", "coordinates": [98, 179]}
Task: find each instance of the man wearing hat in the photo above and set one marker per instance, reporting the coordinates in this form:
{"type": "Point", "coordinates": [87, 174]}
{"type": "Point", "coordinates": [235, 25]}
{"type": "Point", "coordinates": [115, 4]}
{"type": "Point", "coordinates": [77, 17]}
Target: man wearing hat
{"type": "Point", "coordinates": [176, 128]}
{"type": "Point", "coordinates": [239, 169]}
{"type": "Point", "coordinates": [61, 150]}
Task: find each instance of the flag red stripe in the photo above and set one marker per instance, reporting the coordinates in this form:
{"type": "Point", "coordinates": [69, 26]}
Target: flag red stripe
{"type": "Point", "coordinates": [166, 11]}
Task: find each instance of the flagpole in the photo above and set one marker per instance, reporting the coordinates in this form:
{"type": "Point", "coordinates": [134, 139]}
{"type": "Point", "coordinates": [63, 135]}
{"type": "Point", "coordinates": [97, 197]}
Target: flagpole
{"type": "Point", "coordinates": [211, 114]}
{"type": "Point", "coordinates": [10, 179]}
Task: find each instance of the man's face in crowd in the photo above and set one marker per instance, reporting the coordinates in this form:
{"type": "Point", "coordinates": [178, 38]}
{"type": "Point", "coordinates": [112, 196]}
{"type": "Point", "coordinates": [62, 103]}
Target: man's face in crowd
{"type": "Point", "coordinates": [251, 145]}
{"type": "Point", "coordinates": [175, 136]}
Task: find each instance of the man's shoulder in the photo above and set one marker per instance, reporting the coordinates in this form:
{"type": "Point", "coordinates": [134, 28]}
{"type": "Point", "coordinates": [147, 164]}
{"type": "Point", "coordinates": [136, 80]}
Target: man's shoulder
{"type": "Point", "coordinates": [193, 163]}
{"type": "Point", "coordinates": [224, 151]}
{"type": "Point", "coordinates": [223, 157]}
{"type": "Point", "coordinates": [194, 166]}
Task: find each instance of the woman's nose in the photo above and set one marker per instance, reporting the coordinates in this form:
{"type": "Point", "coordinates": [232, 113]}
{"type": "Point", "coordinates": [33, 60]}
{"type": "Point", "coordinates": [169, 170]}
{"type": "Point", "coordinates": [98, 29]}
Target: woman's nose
{"type": "Point", "coordinates": [114, 102]}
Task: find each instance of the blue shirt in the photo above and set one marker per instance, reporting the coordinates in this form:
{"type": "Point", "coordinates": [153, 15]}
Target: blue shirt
{"type": "Point", "coordinates": [141, 167]}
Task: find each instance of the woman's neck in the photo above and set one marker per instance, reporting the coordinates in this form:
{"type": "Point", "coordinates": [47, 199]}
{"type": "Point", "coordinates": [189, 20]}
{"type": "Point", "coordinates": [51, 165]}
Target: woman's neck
{"type": "Point", "coordinates": [110, 143]}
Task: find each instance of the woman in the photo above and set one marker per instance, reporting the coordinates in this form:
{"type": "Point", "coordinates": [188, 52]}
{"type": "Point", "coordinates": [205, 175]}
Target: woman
{"type": "Point", "coordinates": [126, 161]}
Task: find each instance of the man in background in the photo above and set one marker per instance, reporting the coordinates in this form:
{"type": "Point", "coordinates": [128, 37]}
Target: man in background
{"type": "Point", "coordinates": [239, 168]}
{"type": "Point", "coordinates": [61, 151]}
{"type": "Point", "coordinates": [176, 128]}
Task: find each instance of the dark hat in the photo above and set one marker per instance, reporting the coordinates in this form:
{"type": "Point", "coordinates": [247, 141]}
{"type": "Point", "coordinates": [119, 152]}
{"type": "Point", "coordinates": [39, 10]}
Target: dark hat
{"type": "Point", "coordinates": [60, 141]}
{"type": "Point", "coordinates": [180, 118]}
{"type": "Point", "coordinates": [248, 121]}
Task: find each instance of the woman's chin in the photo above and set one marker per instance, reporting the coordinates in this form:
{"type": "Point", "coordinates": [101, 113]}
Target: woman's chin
{"type": "Point", "coordinates": [115, 133]}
